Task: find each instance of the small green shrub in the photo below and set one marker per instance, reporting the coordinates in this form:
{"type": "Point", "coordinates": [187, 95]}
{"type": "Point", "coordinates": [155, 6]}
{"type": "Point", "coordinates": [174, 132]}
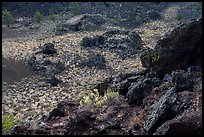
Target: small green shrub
{"type": "Point", "coordinates": [51, 14]}
{"type": "Point", "coordinates": [138, 19]}
{"type": "Point", "coordinates": [38, 16]}
{"type": "Point", "coordinates": [110, 96]}
{"type": "Point", "coordinates": [7, 17]}
{"type": "Point", "coordinates": [75, 8]}
{"type": "Point", "coordinates": [93, 99]}
{"type": "Point", "coordinates": [61, 10]}
{"type": "Point", "coordinates": [179, 17]}
{"type": "Point", "coordinates": [110, 15]}
{"type": "Point", "coordinates": [8, 121]}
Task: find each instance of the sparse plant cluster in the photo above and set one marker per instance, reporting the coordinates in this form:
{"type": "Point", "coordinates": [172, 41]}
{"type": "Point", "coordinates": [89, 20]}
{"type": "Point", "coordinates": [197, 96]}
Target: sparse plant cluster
{"type": "Point", "coordinates": [75, 8]}
{"type": "Point", "coordinates": [38, 16]}
{"type": "Point", "coordinates": [51, 14]}
{"type": "Point", "coordinates": [8, 120]}
{"type": "Point", "coordinates": [62, 10]}
{"type": "Point", "coordinates": [93, 99]}
{"type": "Point", "coordinates": [179, 17]}
{"type": "Point", "coordinates": [138, 19]}
{"type": "Point", "coordinates": [7, 17]}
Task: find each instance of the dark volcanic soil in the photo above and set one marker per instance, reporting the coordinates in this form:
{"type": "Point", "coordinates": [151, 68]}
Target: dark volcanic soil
{"type": "Point", "coordinates": [14, 71]}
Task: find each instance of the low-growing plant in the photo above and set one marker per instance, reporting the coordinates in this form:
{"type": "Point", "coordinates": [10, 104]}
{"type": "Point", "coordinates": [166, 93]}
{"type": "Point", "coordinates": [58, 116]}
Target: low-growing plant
{"type": "Point", "coordinates": [93, 99]}
{"type": "Point", "coordinates": [138, 19]}
{"type": "Point", "coordinates": [179, 17]}
{"type": "Point", "coordinates": [38, 16]}
{"type": "Point", "coordinates": [75, 8]}
{"type": "Point", "coordinates": [110, 96]}
{"type": "Point", "coordinates": [8, 120]}
{"type": "Point", "coordinates": [110, 15]}
{"type": "Point", "coordinates": [62, 10]}
{"type": "Point", "coordinates": [7, 17]}
{"type": "Point", "coordinates": [51, 14]}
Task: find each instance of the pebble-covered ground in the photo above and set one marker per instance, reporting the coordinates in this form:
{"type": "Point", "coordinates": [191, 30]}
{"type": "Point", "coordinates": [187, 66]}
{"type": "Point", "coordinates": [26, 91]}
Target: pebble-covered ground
{"type": "Point", "coordinates": [31, 97]}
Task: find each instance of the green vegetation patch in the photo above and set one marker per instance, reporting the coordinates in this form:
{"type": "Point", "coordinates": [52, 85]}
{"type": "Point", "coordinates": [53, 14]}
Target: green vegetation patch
{"type": "Point", "coordinates": [93, 99]}
{"type": "Point", "coordinates": [38, 16]}
{"type": "Point", "coordinates": [138, 19]}
{"type": "Point", "coordinates": [51, 14]}
{"type": "Point", "coordinates": [179, 17]}
{"type": "Point", "coordinates": [8, 120]}
{"type": "Point", "coordinates": [7, 17]}
{"type": "Point", "coordinates": [75, 8]}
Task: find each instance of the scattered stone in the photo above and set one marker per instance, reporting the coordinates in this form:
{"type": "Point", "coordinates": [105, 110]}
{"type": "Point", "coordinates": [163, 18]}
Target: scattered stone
{"type": "Point", "coordinates": [92, 41]}
{"type": "Point", "coordinates": [152, 14]}
{"type": "Point", "coordinates": [55, 113]}
{"type": "Point", "coordinates": [49, 49]}
{"type": "Point", "coordinates": [54, 81]}
{"type": "Point", "coordinates": [110, 33]}
{"type": "Point", "coordinates": [97, 61]}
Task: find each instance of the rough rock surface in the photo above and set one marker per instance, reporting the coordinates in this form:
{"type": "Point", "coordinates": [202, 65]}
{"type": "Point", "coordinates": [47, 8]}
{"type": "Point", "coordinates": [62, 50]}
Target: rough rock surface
{"type": "Point", "coordinates": [168, 107]}
{"type": "Point", "coordinates": [137, 91]}
{"type": "Point", "coordinates": [186, 124]}
{"type": "Point", "coordinates": [95, 60]}
{"type": "Point", "coordinates": [176, 49]}
{"type": "Point", "coordinates": [92, 41]}
{"type": "Point", "coordinates": [84, 22]}
{"type": "Point", "coordinates": [171, 83]}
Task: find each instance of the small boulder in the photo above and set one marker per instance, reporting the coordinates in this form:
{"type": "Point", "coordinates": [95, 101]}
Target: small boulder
{"type": "Point", "coordinates": [182, 80]}
{"type": "Point", "coordinates": [54, 81]}
{"type": "Point", "coordinates": [55, 113]}
{"type": "Point", "coordinates": [152, 14]}
{"type": "Point", "coordinates": [138, 90]}
{"type": "Point", "coordinates": [49, 49]}
{"type": "Point", "coordinates": [92, 41]}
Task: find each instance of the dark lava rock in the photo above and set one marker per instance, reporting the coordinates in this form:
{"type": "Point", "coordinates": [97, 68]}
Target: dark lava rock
{"type": "Point", "coordinates": [54, 81]}
{"type": "Point", "coordinates": [20, 130]}
{"type": "Point", "coordinates": [84, 22]}
{"type": "Point", "coordinates": [135, 40]}
{"type": "Point", "coordinates": [176, 50]}
{"type": "Point", "coordinates": [92, 41]}
{"type": "Point", "coordinates": [49, 49]}
{"type": "Point", "coordinates": [189, 123]}
{"type": "Point", "coordinates": [169, 105]}
{"type": "Point", "coordinates": [55, 113]}
{"type": "Point", "coordinates": [113, 122]}
{"type": "Point", "coordinates": [94, 19]}
{"type": "Point", "coordinates": [182, 80]}
{"type": "Point", "coordinates": [116, 31]}
{"type": "Point", "coordinates": [74, 24]}
{"type": "Point", "coordinates": [122, 87]}
{"type": "Point", "coordinates": [81, 124]}
{"type": "Point", "coordinates": [119, 83]}
{"type": "Point", "coordinates": [94, 60]}
{"type": "Point", "coordinates": [152, 14]}
{"type": "Point", "coordinates": [162, 111]}
{"type": "Point", "coordinates": [124, 43]}
{"type": "Point", "coordinates": [39, 61]}
{"type": "Point", "coordinates": [137, 91]}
